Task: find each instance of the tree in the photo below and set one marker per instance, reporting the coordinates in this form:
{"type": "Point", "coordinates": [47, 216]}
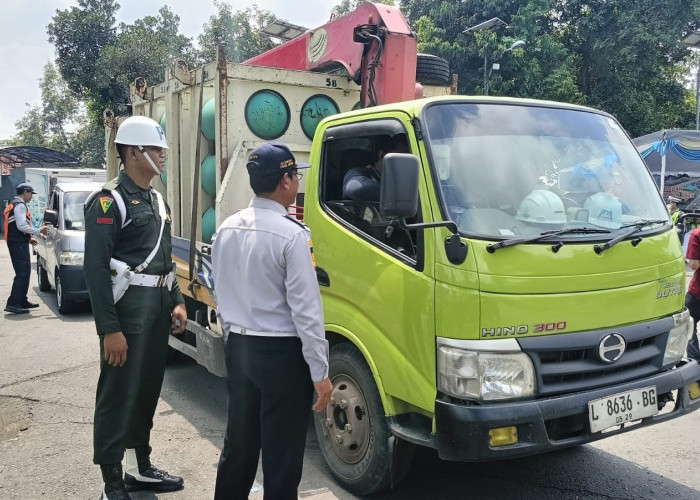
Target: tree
{"type": "Point", "coordinates": [60, 123]}
{"type": "Point", "coordinates": [238, 31]}
{"type": "Point", "coordinates": [620, 56]}
{"type": "Point", "coordinates": [143, 49]}
{"type": "Point", "coordinates": [80, 34]}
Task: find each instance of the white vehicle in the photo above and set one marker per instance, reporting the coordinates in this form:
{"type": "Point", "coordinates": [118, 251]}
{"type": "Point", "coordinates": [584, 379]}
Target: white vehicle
{"type": "Point", "coordinates": [59, 261]}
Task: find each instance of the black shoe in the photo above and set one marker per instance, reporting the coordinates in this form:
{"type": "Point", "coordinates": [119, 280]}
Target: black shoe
{"type": "Point", "coordinates": [115, 491]}
{"type": "Point", "coordinates": [16, 310]}
{"type": "Point", "coordinates": [30, 305]}
{"type": "Point", "coordinates": [153, 479]}
{"type": "Point", "coordinates": [114, 488]}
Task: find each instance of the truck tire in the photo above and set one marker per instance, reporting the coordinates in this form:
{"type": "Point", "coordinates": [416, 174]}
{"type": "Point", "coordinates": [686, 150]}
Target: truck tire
{"type": "Point", "coordinates": [42, 276]}
{"type": "Point", "coordinates": [352, 433]}
{"type": "Point", "coordinates": [432, 70]}
{"type": "Point", "coordinates": [64, 306]}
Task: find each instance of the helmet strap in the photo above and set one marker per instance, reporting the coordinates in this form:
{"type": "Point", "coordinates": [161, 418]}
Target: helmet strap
{"type": "Point", "coordinates": [145, 153]}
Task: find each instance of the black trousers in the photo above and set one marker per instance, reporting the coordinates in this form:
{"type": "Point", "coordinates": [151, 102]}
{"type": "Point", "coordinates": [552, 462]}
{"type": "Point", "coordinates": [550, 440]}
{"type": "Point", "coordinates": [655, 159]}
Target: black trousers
{"type": "Point", "coordinates": [21, 263]}
{"type": "Point", "coordinates": [270, 394]}
{"type": "Point", "coordinates": [127, 397]}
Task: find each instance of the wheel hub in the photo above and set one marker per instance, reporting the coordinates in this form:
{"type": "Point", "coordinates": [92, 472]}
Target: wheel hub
{"type": "Point", "coordinates": [346, 420]}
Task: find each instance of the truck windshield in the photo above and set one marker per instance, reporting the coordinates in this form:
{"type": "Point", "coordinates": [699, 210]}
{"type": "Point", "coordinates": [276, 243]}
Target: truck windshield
{"type": "Point", "coordinates": [509, 171]}
{"type": "Point", "coordinates": [73, 209]}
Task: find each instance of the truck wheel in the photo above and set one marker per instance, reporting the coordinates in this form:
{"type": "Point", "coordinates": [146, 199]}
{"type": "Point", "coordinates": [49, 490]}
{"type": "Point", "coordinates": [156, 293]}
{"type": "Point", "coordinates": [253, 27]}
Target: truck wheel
{"type": "Point", "coordinates": [352, 432]}
{"type": "Point", "coordinates": [64, 306]}
{"type": "Point", "coordinates": [42, 276]}
{"type": "Point", "coordinates": [432, 70]}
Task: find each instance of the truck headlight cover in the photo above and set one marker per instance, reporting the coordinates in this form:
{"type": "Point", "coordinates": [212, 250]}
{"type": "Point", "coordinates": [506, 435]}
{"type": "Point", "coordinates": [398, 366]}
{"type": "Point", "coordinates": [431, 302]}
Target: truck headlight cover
{"type": "Point", "coordinates": [678, 337]}
{"type": "Point", "coordinates": [485, 376]}
{"type": "Point", "coordinates": [72, 258]}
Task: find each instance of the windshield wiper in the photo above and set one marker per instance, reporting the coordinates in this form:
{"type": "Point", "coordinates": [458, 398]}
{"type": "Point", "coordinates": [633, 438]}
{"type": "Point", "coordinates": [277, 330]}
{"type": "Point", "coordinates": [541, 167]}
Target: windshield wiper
{"type": "Point", "coordinates": [542, 236]}
{"type": "Point", "coordinates": [636, 227]}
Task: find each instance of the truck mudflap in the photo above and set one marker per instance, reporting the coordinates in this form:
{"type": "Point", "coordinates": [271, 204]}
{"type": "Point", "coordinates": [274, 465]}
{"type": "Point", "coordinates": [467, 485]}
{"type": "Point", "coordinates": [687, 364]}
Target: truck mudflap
{"type": "Point", "coordinates": [462, 432]}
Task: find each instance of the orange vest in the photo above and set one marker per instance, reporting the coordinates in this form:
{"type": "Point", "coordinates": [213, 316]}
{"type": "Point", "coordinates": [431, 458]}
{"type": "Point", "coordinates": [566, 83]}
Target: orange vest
{"type": "Point", "coordinates": [11, 231]}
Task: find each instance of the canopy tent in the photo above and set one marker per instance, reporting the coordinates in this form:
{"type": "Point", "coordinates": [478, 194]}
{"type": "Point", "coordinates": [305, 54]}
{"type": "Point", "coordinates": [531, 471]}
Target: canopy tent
{"type": "Point", "coordinates": [671, 153]}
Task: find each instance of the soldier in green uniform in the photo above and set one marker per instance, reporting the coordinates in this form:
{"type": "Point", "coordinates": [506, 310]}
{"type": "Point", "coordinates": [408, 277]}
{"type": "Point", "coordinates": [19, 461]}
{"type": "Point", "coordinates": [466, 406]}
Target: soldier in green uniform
{"type": "Point", "coordinates": [123, 222]}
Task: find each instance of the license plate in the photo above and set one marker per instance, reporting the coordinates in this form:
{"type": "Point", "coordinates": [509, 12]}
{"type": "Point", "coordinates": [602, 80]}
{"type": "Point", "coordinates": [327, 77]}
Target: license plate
{"type": "Point", "coordinates": [620, 408]}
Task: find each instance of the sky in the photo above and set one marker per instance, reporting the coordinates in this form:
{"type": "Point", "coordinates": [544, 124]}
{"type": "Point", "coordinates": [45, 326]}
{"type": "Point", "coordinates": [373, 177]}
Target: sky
{"type": "Point", "coordinates": [25, 49]}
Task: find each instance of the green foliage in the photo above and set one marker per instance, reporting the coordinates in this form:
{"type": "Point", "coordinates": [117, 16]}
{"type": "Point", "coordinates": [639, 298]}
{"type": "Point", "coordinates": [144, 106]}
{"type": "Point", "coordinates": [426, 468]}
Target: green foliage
{"type": "Point", "coordinates": [621, 56]}
{"type": "Point", "coordinates": [238, 32]}
{"type": "Point", "coordinates": [59, 123]}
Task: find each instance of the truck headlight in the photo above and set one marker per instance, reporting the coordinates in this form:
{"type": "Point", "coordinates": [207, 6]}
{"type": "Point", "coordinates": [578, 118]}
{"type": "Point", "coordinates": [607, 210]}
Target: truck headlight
{"type": "Point", "coordinates": [485, 376]}
{"type": "Point", "coordinates": [71, 258]}
{"type": "Point", "coordinates": [678, 337]}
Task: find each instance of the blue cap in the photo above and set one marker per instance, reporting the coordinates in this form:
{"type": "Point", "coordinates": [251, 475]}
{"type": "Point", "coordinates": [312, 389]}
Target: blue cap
{"type": "Point", "coordinates": [25, 186]}
{"type": "Point", "coordinates": [272, 158]}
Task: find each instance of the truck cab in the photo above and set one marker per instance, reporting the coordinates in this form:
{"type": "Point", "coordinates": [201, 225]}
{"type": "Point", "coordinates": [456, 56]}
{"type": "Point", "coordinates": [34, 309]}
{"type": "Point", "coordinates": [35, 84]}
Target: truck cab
{"type": "Point", "coordinates": [59, 262]}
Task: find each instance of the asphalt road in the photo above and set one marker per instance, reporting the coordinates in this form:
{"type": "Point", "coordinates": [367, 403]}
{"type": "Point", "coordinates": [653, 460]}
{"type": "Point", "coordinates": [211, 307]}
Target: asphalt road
{"type": "Point", "coordinates": [48, 373]}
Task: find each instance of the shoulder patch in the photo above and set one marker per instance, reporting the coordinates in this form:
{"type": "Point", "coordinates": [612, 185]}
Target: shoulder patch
{"type": "Point", "coordinates": [105, 203]}
{"type": "Point", "coordinates": [296, 221]}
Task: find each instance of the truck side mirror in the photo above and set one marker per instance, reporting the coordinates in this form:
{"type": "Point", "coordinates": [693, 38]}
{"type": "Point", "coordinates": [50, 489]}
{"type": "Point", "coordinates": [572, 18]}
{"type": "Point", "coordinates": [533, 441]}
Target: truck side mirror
{"type": "Point", "coordinates": [51, 217]}
{"type": "Point", "coordinates": [399, 187]}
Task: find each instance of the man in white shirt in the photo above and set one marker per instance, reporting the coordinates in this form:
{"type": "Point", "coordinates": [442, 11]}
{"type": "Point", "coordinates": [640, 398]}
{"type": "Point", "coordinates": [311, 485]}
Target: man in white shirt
{"type": "Point", "coordinates": [276, 351]}
{"type": "Point", "coordinates": [19, 234]}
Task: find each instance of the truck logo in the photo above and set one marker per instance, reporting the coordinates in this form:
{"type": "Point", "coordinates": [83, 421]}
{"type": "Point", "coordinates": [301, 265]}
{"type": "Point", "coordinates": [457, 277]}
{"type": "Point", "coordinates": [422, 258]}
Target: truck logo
{"type": "Point", "coordinates": [317, 45]}
{"type": "Point", "coordinates": [611, 348]}
{"type": "Point", "coordinates": [504, 331]}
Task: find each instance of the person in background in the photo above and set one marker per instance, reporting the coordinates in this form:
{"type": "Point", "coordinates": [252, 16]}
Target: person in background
{"type": "Point", "coordinates": [276, 348]}
{"type": "Point", "coordinates": [19, 234]}
{"type": "Point", "coordinates": [124, 222]}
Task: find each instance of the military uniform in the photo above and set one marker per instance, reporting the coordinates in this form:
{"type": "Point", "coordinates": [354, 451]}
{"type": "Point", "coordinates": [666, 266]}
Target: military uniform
{"type": "Point", "coordinates": [127, 396]}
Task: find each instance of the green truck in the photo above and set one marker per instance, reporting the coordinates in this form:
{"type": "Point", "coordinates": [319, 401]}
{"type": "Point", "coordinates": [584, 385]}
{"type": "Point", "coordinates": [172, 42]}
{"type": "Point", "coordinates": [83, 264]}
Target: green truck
{"type": "Point", "coordinates": [517, 288]}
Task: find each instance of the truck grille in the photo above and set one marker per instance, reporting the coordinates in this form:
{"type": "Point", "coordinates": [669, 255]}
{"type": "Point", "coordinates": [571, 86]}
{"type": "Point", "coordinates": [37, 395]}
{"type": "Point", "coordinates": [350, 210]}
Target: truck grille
{"type": "Point", "coordinates": [570, 362]}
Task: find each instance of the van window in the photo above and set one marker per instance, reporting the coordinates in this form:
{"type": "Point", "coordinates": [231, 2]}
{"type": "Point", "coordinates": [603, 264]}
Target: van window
{"type": "Point", "coordinates": [73, 214]}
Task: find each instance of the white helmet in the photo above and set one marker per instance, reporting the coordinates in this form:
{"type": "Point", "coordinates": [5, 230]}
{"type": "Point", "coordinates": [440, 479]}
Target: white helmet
{"type": "Point", "coordinates": [141, 131]}
{"type": "Point", "coordinates": [604, 209]}
{"type": "Point", "coordinates": [542, 207]}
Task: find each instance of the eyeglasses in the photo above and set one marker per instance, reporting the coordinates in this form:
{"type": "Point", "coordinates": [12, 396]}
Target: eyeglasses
{"type": "Point", "coordinates": [296, 173]}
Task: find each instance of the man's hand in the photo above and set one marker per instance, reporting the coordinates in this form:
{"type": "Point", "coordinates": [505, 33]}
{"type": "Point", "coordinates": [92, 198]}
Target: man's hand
{"type": "Point", "coordinates": [115, 348]}
{"type": "Point", "coordinates": [179, 318]}
{"type": "Point", "coordinates": [32, 241]}
{"type": "Point", "coordinates": [324, 388]}
{"type": "Point", "coordinates": [44, 229]}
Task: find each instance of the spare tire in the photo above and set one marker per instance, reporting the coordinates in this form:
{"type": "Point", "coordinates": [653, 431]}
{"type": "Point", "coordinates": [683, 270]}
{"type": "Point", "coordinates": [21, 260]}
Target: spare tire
{"type": "Point", "coordinates": [432, 70]}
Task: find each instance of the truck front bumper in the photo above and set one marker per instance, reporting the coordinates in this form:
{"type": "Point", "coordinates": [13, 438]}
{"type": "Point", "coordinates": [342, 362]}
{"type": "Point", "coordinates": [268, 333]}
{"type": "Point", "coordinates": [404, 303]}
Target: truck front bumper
{"type": "Point", "coordinates": [73, 283]}
{"type": "Point", "coordinates": [462, 432]}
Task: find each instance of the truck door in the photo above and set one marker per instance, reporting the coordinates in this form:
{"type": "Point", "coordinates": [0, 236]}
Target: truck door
{"type": "Point", "coordinates": [377, 291]}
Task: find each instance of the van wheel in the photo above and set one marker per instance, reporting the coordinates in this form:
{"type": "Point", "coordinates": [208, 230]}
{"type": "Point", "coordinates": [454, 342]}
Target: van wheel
{"type": "Point", "coordinates": [43, 277]}
{"type": "Point", "coordinates": [64, 306]}
{"type": "Point", "coordinates": [432, 70]}
{"type": "Point", "coordinates": [352, 433]}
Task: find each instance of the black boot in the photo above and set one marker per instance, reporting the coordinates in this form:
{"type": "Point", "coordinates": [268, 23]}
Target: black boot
{"type": "Point", "coordinates": [114, 488]}
{"type": "Point", "coordinates": [142, 475]}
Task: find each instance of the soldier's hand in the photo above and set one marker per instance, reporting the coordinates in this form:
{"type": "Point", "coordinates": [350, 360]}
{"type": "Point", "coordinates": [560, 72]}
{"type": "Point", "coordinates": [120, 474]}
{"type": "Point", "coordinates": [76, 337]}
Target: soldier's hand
{"type": "Point", "coordinates": [179, 318]}
{"type": "Point", "coordinates": [115, 348]}
{"type": "Point", "coordinates": [324, 388]}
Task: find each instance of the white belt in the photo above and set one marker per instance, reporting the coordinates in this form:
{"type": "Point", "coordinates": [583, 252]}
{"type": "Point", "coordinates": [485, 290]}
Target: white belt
{"type": "Point", "coordinates": [152, 280]}
{"type": "Point", "coordinates": [247, 331]}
